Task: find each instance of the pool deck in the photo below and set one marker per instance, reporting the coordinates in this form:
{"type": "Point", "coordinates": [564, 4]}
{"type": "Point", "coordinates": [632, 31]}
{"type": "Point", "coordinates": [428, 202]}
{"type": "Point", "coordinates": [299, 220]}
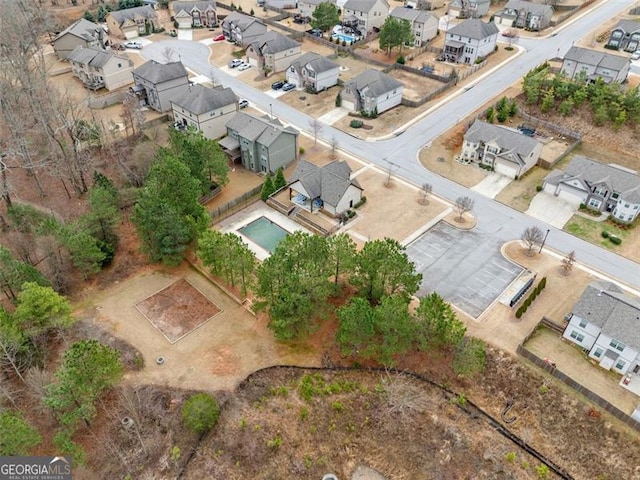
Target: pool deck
{"type": "Point", "coordinates": [253, 212]}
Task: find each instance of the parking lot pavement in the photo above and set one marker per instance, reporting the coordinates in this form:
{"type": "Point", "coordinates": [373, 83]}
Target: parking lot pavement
{"type": "Point", "coordinates": [553, 210]}
{"type": "Point", "coordinates": [466, 268]}
{"type": "Point", "coordinates": [491, 185]}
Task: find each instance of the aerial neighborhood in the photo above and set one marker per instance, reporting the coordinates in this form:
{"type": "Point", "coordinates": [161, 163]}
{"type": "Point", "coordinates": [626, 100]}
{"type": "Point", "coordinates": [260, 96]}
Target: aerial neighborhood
{"type": "Point", "coordinates": [323, 239]}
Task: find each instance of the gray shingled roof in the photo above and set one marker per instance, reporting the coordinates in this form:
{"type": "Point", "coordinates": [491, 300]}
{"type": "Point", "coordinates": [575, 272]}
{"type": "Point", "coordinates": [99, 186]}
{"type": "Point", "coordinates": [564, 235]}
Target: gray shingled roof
{"type": "Point", "coordinates": [328, 183]}
{"type": "Point", "coordinates": [362, 5]}
{"type": "Point", "coordinates": [258, 129]}
{"type": "Point", "coordinates": [587, 170]}
{"type": "Point", "coordinates": [531, 7]}
{"type": "Point", "coordinates": [156, 73]}
{"type": "Point", "coordinates": [596, 58]}
{"type": "Point", "coordinates": [96, 57]}
{"type": "Point", "coordinates": [240, 20]}
{"type": "Point", "coordinates": [121, 16]}
{"type": "Point", "coordinates": [627, 25]}
{"type": "Point", "coordinates": [411, 14]}
{"type": "Point", "coordinates": [273, 42]}
{"type": "Point", "coordinates": [373, 83]}
{"type": "Point", "coordinates": [198, 99]}
{"type": "Point", "coordinates": [188, 6]}
{"type": "Point", "coordinates": [517, 145]}
{"type": "Point", "coordinates": [617, 315]}
{"type": "Point", "coordinates": [82, 28]}
{"type": "Point", "coordinates": [474, 28]}
{"type": "Point", "coordinates": [315, 62]}
{"type": "Point", "coordinates": [317, 2]}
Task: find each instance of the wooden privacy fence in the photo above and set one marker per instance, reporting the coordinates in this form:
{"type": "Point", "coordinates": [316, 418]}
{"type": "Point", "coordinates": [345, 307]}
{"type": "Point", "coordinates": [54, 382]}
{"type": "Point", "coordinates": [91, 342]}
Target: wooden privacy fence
{"type": "Point", "coordinates": [238, 203]}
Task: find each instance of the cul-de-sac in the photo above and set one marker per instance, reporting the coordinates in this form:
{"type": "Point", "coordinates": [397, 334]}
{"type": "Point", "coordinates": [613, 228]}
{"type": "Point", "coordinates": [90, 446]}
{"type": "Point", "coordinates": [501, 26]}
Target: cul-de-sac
{"type": "Point", "coordinates": [320, 239]}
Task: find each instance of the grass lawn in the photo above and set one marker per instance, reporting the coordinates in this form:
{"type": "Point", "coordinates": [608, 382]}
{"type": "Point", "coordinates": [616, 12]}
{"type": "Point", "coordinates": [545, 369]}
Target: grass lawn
{"type": "Point", "coordinates": [518, 194]}
{"type": "Point", "coordinates": [591, 231]}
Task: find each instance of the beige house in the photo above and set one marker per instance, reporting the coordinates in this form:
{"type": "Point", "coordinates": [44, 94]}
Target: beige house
{"type": "Point", "coordinates": [365, 15]}
{"type": "Point", "coordinates": [132, 22]}
{"type": "Point", "coordinates": [273, 52]}
{"type": "Point", "coordinates": [314, 72]}
{"type": "Point", "coordinates": [82, 33]}
{"type": "Point", "coordinates": [195, 14]}
{"type": "Point", "coordinates": [97, 68]}
{"type": "Point", "coordinates": [594, 64]}
{"type": "Point", "coordinates": [307, 7]}
{"type": "Point", "coordinates": [424, 25]}
{"type": "Point", "coordinates": [205, 109]}
{"type": "Point", "coordinates": [242, 29]}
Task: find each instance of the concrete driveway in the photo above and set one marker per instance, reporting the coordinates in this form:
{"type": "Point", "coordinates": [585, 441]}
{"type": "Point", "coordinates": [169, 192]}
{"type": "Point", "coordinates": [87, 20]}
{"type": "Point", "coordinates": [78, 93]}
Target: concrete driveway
{"type": "Point", "coordinates": [491, 185]}
{"type": "Point", "coordinates": [334, 115]}
{"type": "Point", "coordinates": [552, 210]}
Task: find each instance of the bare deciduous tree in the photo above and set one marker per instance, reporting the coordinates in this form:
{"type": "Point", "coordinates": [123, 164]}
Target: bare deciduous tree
{"type": "Point", "coordinates": [567, 263]}
{"type": "Point", "coordinates": [532, 236]}
{"type": "Point", "coordinates": [316, 128]}
{"type": "Point", "coordinates": [425, 191]}
{"type": "Point", "coordinates": [131, 115]}
{"type": "Point", "coordinates": [334, 148]}
{"type": "Point", "coordinates": [464, 205]}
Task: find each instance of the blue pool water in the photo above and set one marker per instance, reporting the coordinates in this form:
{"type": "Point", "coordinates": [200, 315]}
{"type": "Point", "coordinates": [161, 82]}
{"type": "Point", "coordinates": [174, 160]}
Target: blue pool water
{"type": "Point", "coordinates": [264, 232]}
{"type": "Point", "coordinates": [344, 37]}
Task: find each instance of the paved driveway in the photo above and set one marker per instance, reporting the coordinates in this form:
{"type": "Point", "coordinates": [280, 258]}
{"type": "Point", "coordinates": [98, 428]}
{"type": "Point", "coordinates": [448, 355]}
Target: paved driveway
{"type": "Point", "coordinates": [552, 210]}
{"type": "Point", "coordinates": [491, 185]}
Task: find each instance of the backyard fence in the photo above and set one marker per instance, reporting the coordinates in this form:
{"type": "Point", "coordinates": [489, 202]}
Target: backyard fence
{"type": "Point", "coordinates": [107, 99]}
{"type": "Point", "coordinates": [235, 205]}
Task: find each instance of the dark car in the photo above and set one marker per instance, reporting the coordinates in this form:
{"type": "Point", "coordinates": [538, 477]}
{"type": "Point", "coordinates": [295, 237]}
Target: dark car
{"type": "Point", "coordinates": [316, 32]}
{"type": "Point", "coordinates": [288, 86]}
{"type": "Point", "coordinates": [277, 85]}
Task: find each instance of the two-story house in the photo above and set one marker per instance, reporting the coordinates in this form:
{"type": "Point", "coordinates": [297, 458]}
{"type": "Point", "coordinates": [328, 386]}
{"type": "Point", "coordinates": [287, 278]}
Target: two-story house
{"type": "Point", "coordinates": [273, 52]}
{"type": "Point", "coordinates": [307, 7]}
{"type": "Point", "coordinates": [468, 8]}
{"type": "Point", "coordinates": [205, 109]}
{"type": "Point", "coordinates": [469, 41]}
{"type": "Point", "coordinates": [424, 25]}
{"type": "Point", "coordinates": [132, 22]}
{"type": "Point", "coordinates": [313, 72]}
{"type": "Point", "coordinates": [365, 15]}
{"type": "Point", "coordinates": [592, 65]}
{"type": "Point", "coordinates": [82, 33]}
{"type": "Point", "coordinates": [242, 29]}
{"type": "Point", "coordinates": [606, 323]}
{"type": "Point", "coordinates": [607, 188]}
{"type": "Point", "coordinates": [508, 151]}
{"type": "Point", "coordinates": [157, 84]}
{"type": "Point", "coordinates": [424, 4]}
{"type": "Point", "coordinates": [524, 14]}
{"type": "Point", "coordinates": [97, 68]}
{"type": "Point", "coordinates": [371, 92]}
{"type": "Point", "coordinates": [203, 13]}
{"type": "Point", "coordinates": [625, 36]}
{"type": "Point", "coordinates": [262, 144]}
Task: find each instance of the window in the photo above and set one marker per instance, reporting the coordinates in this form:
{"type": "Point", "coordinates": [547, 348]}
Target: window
{"type": "Point", "coordinates": [620, 365]}
{"type": "Point", "coordinates": [595, 203]}
{"type": "Point", "coordinates": [597, 353]}
{"type": "Point", "coordinates": [583, 323]}
{"type": "Point", "coordinates": [577, 336]}
{"type": "Point", "coordinates": [617, 345]}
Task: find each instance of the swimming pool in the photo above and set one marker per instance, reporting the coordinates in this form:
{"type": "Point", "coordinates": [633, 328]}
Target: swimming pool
{"type": "Point", "coordinates": [344, 37]}
{"type": "Point", "coordinates": [264, 232]}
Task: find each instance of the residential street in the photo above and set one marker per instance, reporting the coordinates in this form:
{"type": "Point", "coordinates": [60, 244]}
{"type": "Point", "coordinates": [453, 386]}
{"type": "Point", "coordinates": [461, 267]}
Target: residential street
{"type": "Point", "coordinates": [400, 152]}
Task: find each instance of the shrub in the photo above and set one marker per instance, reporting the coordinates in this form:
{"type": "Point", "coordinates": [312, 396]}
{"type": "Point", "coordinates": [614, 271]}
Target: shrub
{"type": "Point", "coordinates": [355, 123]}
{"type": "Point", "coordinates": [605, 234]}
{"type": "Point", "coordinates": [582, 206]}
{"type": "Point", "coordinates": [519, 312]}
{"type": "Point", "coordinates": [510, 457]}
{"type": "Point", "coordinates": [362, 201]}
{"type": "Point", "coordinates": [200, 412]}
{"type": "Point", "coordinates": [338, 100]}
{"type": "Point", "coordinates": [400, 60]}
{"type": "Point", "coordinates": [538, 188]}
{"type": "Point", "coordinates": [301, 150]}
{"type": "Point", "coordinates": [615, 240]}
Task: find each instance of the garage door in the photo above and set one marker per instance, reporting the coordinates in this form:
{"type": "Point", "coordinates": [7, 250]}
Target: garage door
{"type": "Point", "coordinates": [253, 61]}
{"type": "Point", "coordinates": [570, 197]}
{"type": "Point", "coordinates": [348, 105]}
{"type": "Point", "coordinates": [505, 170]}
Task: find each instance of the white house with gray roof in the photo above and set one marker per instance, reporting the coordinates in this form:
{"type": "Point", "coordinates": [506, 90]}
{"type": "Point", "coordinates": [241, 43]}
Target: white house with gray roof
{"type": "Point", "coordinates": [524, 14]}
{"type": "Point", "coordinates": [157, 84]}
{"type": "Point", "coordinates": [205, 109]}
{"type": "Point", "coordinates": [607, 188]}
{"type": "Point", "coordinates": [197, 14]}
{"type": "Point", "coordinates": [242, 29]}
{"type": "Point", "coordinates": [262, 144]}
{"type": "Point", "coordinates": [625, 36]}
{"type": "Point", "coordinates": [307, 7]}
{"type": "Point", "coordinates": [424, 25]}
{"type": "Point", "coordinates": [329, 188]}
{"type": "Point", "coordinates": [606, 323]}
{"type": "Point", "coordinates": [97, 68]}
{"type": "Point", "coordinates": [593, 64]}
{"type": "Point", "coordinates": [82, 33]}
{"type": "Point", "coordinates": [273, 51]}
{"type": "Point", "coordinates": [508, 151]}
{"type": "Point", "coordinates": [132, 22]}
{"type": "Point", "coordinates": [470, 40]}
{"type": "Point", "coordinates": [365, 15]}
{"type": "Point", "coordinates": [372, 92]}
{"type": "Point", "coordinates": [468, 8]}
{"type": "Point", "coordinates": [314, 72]}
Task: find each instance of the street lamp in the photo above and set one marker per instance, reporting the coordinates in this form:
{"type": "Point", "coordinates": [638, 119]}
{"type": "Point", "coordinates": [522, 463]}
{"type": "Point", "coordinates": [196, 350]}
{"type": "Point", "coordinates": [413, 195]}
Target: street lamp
{"type": "Point", "coordinates": [543, 241]}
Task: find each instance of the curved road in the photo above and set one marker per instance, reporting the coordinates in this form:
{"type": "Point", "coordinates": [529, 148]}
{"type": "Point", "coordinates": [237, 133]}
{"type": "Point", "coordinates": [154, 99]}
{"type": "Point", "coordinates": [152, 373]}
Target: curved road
{"type": "Point", "coordinates": [400, 152]}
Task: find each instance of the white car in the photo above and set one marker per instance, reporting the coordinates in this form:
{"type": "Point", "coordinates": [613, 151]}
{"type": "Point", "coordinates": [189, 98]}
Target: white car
{"type": "Point", "coordinates": [244, 66]}
{"type": "Point", "coordinates": [635, 55]}
{"type": "Point", "coordinates": [134, 45]}
{"type": "Point", "coordinates": [242, 103]}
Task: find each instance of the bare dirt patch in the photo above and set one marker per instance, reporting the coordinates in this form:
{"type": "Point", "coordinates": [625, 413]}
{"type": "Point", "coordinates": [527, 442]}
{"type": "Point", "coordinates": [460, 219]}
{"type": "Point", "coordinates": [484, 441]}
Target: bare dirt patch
{"type": "Point", "coordinates": [416, 87]}
{"type": "Point", "coordinates": [313, 104]}
{"type": "Point", "coordinates": [177, 310]}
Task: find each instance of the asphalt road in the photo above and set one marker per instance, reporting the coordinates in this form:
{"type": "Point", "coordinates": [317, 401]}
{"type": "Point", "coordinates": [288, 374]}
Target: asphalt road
{"type": "Point", "coordinates": [400, 152]}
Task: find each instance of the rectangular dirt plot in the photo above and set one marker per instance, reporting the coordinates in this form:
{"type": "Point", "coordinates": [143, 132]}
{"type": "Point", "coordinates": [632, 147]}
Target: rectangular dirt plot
{"type": "Point", "coordinates": [177, 309]}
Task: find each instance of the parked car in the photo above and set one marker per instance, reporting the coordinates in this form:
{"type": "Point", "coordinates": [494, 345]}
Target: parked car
{"type": "Point", "coordinates": [242, 103]}
{"type": "Point", "coordinates": [316, 32]}
{"type": "Point", "coordinates": [635, 55]}
{"type": "Point", "coordinates": [277, 85]}
{"type": "Point", "coordinates": [288, 86]}
{"type": "Point", "coordinates": [235, 63]}
{"type": "Point", "coordinates": [218, 38]}
{"type": "Point", "coordinates": [243, 66]}
{"type": "Point", "coordinates": [134, 45]}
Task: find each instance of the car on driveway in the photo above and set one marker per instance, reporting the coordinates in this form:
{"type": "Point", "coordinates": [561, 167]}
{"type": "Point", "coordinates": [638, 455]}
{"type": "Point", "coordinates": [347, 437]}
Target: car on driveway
{"type": "Point", "coordinates": [242, 103]}
{"type": "Point", "coordinates": [635, 55]}
{"type": "Point", "coordinates": [218, 38]}
{"type": "Point", "coordinates": [288, 86]}
{"type": "Point", "coordinates": [134, 45]}
{"type": "Point", "coordinates": [277, 85]}
{"type": "Point", "coordinates": [244, 66]}
{"type": "Point", "coordinates": [235, 63]}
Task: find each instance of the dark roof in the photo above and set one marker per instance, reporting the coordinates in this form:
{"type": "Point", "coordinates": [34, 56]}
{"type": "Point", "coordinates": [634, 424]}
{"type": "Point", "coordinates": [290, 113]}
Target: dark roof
{"type": "Point", "coordinates": [515, 145]}
{"type": "Point", "coordinates": [328, 183]}
{"type": "Point", "coordinates": [596, 58]}
{"type": "Point", "coordinates": [474, 28]}
{"type": "Point", "coordinates": [156, 73]}
{"type": "Point", "coordinates": [263, 130]}
{"type": "Point", "coordinates": [201, 5]}
{"type": "Point", "coordinates": [315, 62]}
{"type": "Point", "coordinates": [96, 57]}
{"type": "Point", "coordinates": [83, 29]}
{"type": "Point", "coordinates": [617, 314]}
{"type": "Point", "coordinates": [122, 16]}
{"type": "Point", "coordinates": [273, 42]}
{"type": "Point", "coordinates": [531, 7]}
{"type": "Point", "coordinates": [198, 99]}
{"type": "Point", "coordinates": [241, 20]}
{"type": "Point", "coordinates": [373, 83]}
